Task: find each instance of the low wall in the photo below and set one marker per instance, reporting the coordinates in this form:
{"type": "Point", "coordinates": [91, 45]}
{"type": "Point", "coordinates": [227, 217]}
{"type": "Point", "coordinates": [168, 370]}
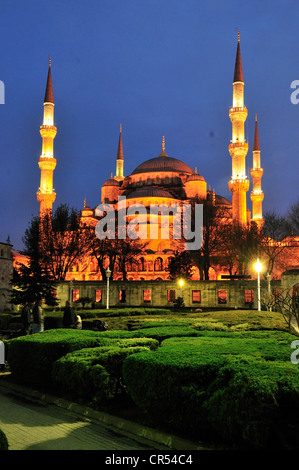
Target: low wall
{"type": "Point", "coordinates": [230, 294]}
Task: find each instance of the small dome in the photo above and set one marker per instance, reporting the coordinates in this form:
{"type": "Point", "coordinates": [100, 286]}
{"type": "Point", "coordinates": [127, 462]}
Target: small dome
{"type": "Point", "coordinates": [222, 200]}
{"type": "Point", "coordinates": [150, 191]}
{"type": "Point", "coordinates": [111, 182]}
{"type": "Point", "coordinates": [195, 177]}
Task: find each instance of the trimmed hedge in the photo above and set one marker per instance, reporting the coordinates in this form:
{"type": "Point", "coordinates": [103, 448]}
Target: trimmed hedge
{"type": "Point", "coordinates": [241, 389]}
{"type": "Point", "coordinates": [94, 375]}
{"type": "Point", "coordinates": [31, 358]}
{"type": "Point", "coordinates": [3, 441]}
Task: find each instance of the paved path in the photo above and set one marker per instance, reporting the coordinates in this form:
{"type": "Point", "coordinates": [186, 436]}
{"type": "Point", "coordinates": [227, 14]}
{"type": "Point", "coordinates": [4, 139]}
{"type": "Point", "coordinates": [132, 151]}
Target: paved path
{"type": "Point", "coordinates": [30, 426]}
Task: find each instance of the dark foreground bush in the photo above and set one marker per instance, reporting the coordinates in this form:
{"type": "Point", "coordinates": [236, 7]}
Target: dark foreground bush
{"type": "Point", "coordinates": [31, 358]}
{"type": "Point", "coordinates": [93, 375]}
{"type": "Point", "coordinates": [3, 441]}
{"type": "Point", "coordinates": [243, 391]}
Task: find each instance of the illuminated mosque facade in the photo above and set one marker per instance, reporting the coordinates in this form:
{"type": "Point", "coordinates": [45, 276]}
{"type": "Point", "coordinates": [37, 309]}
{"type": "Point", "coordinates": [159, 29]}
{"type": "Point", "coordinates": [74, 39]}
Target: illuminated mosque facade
{"type": "Point", "coordinates": [162, 180]}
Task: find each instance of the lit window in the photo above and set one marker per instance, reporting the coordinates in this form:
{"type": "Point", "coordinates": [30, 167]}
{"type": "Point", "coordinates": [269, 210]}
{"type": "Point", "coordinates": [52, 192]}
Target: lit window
{"type": "Point", "coordinates": [196, 296]}
{"type": "Point", "coordinates": [122, 295]}
{"type": "Point", "coordinates": [75, 295]}
{"type": "Point", "coordinates": [98, 295]}
{"type": "Point", "coordinates": [248, 296]}
{"type": "Point", "coordinates": [147, 295]}
{"type": "Point", "coordinates": [171, 295]}
{"type": "Point", "coordinates": [222, 297]}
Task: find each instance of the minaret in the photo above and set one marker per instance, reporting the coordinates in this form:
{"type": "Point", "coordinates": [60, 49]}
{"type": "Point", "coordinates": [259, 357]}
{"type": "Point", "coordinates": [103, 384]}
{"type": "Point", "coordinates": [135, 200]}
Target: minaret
{"type": "Point", "coordinates": [238, 147]}
{"type": "Point", "coordinates": [257, 194]}
{"type": "Point", "coordinates": [47, 163]}
{"type": "Point", "coordinates": [120, 159]}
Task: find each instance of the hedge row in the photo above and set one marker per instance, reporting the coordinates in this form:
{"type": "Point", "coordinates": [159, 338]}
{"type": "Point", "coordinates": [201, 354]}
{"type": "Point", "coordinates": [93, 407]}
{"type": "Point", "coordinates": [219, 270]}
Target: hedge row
{"type": "Point", "coordinates": [31, 358]}
{"type": "Point", "coordinates": [94, 375]}
{"type": "Point", "coordinates": [3, 441]}
{"type": "Point", "coordinates": [242, 389]}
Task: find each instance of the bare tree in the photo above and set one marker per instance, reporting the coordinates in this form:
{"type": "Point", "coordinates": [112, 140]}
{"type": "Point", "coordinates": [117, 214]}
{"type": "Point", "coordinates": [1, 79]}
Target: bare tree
{"type": "Point", "coordinates": [287, 303]}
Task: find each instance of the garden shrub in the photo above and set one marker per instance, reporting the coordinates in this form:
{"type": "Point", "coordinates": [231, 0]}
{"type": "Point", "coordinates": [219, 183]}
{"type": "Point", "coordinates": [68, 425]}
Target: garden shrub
{"type": "Point", "coordinates": [3, 441]}
{"type": "Point", "coordinates": [5, 319]}
{"type": "Point", "coordinates": [162, 333]}
{"type": "Point", "coordinates": [94, 375]}
{"type": "Point", "coordinates": [240, 388]}
{"type": "Point", "coordinates": [31, 357]}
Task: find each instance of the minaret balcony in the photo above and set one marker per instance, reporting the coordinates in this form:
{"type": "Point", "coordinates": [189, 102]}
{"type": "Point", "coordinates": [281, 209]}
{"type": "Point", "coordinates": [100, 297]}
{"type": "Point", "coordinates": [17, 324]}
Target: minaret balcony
{"type": "Point", "coordinates": [256, 172]}
{"type": "Point", "coordinates": [257, 195]}
{"type": "Point", "coordinates": [241, 185]}
{"type": "Point", "coordinates": [47, 163]}
{"type": "Point", "coordinates": [238, 114]}
{"type": "Point", "coordinates": [238, 148]}
{"type": "Point", "coordinates": [48, 131]}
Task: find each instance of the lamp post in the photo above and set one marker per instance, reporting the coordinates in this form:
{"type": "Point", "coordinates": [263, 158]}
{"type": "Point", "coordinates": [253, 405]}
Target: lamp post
{"type": "Point", "coordinates": [71, 290]}
{"type": "Point", "coordinates": [108, 274]}
{"type": "Point", "coordinates": [258, 268]}
{"type": "Point", "coordinates": [181, 283]}
{"type": "Point", "coordinates": [269, 289]}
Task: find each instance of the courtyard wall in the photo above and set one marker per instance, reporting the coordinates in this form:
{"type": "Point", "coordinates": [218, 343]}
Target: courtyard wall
{"type": "Point", "coordinates": [196, 294]}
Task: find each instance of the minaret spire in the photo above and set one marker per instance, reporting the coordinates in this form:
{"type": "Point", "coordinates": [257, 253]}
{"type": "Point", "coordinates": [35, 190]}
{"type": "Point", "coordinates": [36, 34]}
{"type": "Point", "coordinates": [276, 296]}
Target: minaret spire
{"type": "Point", "coordinates": [120, 158]}
{"type": "Point", "coordinates": [49, 96]}
{"type": "Point", "coordinates": [257, 194]}
{"type": "Point", "coordinates": [256, 143]}
{"type": "Point", "coordinates": [238, 147]}
{"type": "Point", "coordinates": [47, 163]}
{"type": "Point", "coordinates": [238, 75]}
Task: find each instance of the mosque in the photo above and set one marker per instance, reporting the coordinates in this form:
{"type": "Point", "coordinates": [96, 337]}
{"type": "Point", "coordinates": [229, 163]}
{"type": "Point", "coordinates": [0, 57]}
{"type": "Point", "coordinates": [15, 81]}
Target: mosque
{"type": "Point", "coordinates": [165, 180]}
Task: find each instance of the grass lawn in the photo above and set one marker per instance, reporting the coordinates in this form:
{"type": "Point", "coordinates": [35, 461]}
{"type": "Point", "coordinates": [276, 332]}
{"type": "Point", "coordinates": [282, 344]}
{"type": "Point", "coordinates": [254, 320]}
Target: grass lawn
{"type": "Point", "coordinates": [230, 320]}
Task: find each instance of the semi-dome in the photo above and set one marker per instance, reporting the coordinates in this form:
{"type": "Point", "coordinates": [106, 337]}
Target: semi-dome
{"type": "Point", "coordinates": [195, 177]}
{"type": "Point", "coordinates": [149, 191]}
{"type": "Point", "coordinates": [161, 163]}
{"type": "Point", "coordinates": [111, 182]}
{"type": "Point", "coordinates": [222, 200]}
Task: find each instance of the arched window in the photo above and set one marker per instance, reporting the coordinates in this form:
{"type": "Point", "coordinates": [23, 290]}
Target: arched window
{"type": "Point", "coordinates": [129, 266]}
{"type": "Point", "coordinates": [158, 266]}
{"type": "Point", "coordinates": [141, 264]}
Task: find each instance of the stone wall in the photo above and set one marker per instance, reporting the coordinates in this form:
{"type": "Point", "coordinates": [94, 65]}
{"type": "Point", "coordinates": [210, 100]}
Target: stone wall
{"type": "Point", "coordinates": [196, 294]}
{"type": "Point", "coordinates": [289, 279]}
{"type": "Point", "coordinates": [6, 271]}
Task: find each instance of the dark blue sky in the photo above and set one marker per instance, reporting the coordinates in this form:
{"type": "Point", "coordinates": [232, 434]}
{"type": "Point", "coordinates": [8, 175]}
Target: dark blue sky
{"type": "Point", "coordinates": [159, 67]}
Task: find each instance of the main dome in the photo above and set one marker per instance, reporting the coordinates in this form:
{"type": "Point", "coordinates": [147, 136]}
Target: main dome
{"type": "Point", "coordinates": [163, 164]}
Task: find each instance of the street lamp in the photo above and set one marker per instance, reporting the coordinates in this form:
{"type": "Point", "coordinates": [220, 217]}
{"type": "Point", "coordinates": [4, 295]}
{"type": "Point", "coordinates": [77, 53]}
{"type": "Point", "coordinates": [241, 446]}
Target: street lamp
{"type": "Point", "coordinates": [70, 293]}
{"type": "Point", "coordinates": [258, 268]}
{"type": "Point", "coordinates": [108, 274]}
{"type": "Point", "coordinates": [269, 290]}
{"type": "Point", "coordinates": [181, 283]}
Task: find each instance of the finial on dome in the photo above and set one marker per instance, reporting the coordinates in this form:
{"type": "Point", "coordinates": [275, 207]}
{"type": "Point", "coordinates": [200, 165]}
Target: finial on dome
{"type": "Point", "coordinates": [196, 170]}
{"type": "Point", "coordinates": [238, 35]}
{"type": "Point", "coordinates": [85, 203]}
{"type": "Point", "coordinates": [49, 61]}
{"type": "Point", "coordinates": [120, 128]}
{"type": "Point", "coordinates": [111, 175]}
{"type": "Point", "coordinates": [163, 153]}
